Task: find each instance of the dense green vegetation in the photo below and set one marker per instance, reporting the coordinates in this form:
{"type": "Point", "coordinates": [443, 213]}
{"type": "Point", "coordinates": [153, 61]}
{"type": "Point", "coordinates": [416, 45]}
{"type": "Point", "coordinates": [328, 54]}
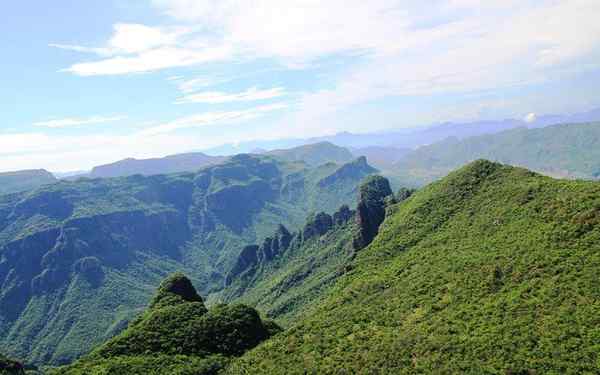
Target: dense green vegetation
{"type": "Point", "coordinates": [80, 259]}
{"type": "Point", "coordinates": [10, 367]}
{"type": "Point", "coordinates": [13, 182]}
{"type": "Point", "coordinates": [491, 270]}
{"type": "Point", "coordinates": [571, 151]}
{"type": "Point", "coordinates": [177, 335]}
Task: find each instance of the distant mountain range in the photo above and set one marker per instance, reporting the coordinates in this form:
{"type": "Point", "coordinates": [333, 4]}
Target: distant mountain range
{"type": "Point", "coordinates": [410, 137]}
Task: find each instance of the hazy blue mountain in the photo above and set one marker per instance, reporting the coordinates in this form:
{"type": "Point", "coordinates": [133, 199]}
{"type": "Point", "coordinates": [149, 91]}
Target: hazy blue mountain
{"type": "Point", "coordinates": [12, 182]}
{"type": "Point", "coordinates": [411, 137]}
{"type": "Point", "coordinates": [169, 164]}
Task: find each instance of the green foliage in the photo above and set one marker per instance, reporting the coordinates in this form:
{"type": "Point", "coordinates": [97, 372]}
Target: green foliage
{"type": "Point", "coordinates": [492, 270]}
{"type": "Point", "coordinates": [147, 365]}
{"type": "Point", "coordinates": [569, 151]}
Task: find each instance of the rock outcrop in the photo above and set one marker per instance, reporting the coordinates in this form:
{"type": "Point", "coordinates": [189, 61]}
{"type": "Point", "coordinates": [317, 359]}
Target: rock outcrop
{"type": "Point", "coordinates": [370, 211]}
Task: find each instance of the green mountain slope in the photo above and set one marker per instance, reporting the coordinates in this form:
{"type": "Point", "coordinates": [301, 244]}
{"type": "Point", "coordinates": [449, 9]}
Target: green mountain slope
{"type": "Point", "coordinates": [13, 182]}
{"type": "Point", "coordinates": [491, 270]}
{"type": "Point", "coordinates": [286, 275]}
{"type": "Point", "coordinates": [78, 260]}
{"type": "Point", "coordinates": [177, 335]}
{"type": "Point", "coordinates": [570, 151]}
{"type": "Point", "coordinates": [283, 285]}
{"type": "Point", "coordinates": [315, 154]}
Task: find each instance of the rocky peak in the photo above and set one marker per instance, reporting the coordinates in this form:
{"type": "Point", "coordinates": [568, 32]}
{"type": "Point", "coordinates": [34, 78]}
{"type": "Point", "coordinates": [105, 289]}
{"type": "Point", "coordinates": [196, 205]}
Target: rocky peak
{"type": "Point", "coordinates": [371, 209]}
{"type": "Point", "coordinates": [174, 290]}
{"type": "Point", "coordinates": [317, 226]}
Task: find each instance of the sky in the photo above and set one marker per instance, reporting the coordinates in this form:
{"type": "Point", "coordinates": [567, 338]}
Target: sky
{"type": "Point", "coordinates": [86, 83]}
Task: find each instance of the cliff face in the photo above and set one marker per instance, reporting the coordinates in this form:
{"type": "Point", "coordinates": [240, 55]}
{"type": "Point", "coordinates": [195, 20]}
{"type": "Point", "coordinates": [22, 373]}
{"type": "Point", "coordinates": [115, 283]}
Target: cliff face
{"type": "Point", "coordinates": [64, 247]}
{"type": "Point", "coordinates": [254, 257]}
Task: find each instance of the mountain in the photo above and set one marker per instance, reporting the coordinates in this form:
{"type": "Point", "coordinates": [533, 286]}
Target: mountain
{"type": "Point", "coordinates": [492, 270]}
{"type": "Point", "coordinates": [12, 182]}
{"type": "Point", "coordinates": [177, 334]}
{"type": "Point", "coordinates": [315, 154]}
{"type": "Point", "coordinates": [79, 259]}
{"type": "Point", "coordinates": [287, 273]}
{"type": "Point", "coordinates": [570, 150]}
{"type": "Point", "coordinates": [188, 162]}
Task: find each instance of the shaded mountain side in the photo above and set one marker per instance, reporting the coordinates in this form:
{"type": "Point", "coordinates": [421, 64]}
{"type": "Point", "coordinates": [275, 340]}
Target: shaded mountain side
{"type": "Point", "coordinates": [188, 162]}
{"type": "Point", "coordinates": [491, 270]}
{"type": "Point", "coordinates": [315, 154]}
{"type": "Point", "coordinates": [566, 151]}
{"type": "Point", "coordinates": [177, 334]}
{"type": "Point", "coordinates": [65, 249]}
{"type": "Point", "coordinates": [13, 182]}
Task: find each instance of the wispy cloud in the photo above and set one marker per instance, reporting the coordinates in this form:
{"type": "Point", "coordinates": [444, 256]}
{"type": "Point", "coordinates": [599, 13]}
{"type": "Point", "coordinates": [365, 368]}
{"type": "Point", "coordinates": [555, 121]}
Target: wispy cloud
{"type": "Point", "coordinates": [72, 121]}
{"type": "Point", "coordinates": [217, 97]}
{"type": "Point", "coordinates": [211, 119]}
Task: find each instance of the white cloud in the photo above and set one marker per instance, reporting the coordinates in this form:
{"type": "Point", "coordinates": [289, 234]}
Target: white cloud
{"type": "Point", "coordinates": [406, 47]}
{"type": "Point", "coordinates": [211, 118]}
{"type": "Point", "coordinates": [531, 117]}
{"type": "Point", "coordinates": [59, 152]}
{"type": "Point", "coordinates": [71, 122]}
{"type": "Point", "coordinates": [216, 97]}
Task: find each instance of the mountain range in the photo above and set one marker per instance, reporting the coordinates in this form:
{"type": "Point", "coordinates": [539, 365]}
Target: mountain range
{"type": "Point", "coordinates": [79, 259]}
{"type": "Point", "coordinates": [492, 269]}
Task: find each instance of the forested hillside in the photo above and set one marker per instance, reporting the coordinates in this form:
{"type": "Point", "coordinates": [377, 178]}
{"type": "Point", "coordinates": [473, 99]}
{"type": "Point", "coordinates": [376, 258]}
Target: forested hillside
{"type": "Point", "coordinates": [491, 270]}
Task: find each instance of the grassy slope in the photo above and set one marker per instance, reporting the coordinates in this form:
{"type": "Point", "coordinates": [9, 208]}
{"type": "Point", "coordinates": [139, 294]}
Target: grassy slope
{"type": "Point", "coordinates": [492, 270]}
{"type": "Point", "coordinates": [571, 151]}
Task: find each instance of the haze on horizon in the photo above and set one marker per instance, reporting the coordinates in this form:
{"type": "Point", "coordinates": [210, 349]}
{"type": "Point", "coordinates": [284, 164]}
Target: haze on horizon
{"type": "Point", "coordinates": [89, 83]}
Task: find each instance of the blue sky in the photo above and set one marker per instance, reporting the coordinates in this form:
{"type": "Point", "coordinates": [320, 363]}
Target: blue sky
{"type": "Point", "coordinates": [85, 83]}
